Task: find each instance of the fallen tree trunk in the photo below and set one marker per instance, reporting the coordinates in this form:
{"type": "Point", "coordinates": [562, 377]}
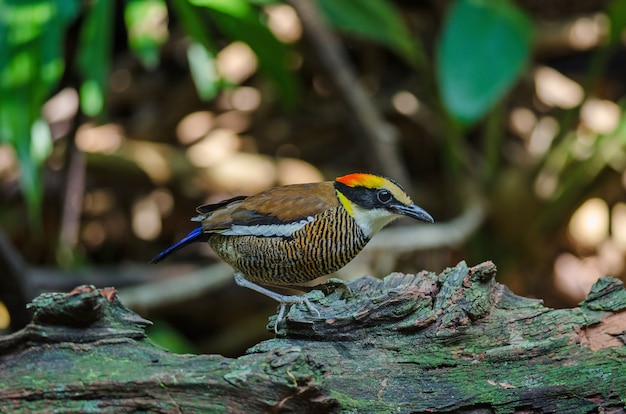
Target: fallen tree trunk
{"type": "Point", "coordinates": [457, 341]}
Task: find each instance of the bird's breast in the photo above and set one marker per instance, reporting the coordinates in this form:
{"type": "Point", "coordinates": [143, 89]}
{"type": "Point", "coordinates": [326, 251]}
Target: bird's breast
{"type": "Point", "coordinates": [293, 253]}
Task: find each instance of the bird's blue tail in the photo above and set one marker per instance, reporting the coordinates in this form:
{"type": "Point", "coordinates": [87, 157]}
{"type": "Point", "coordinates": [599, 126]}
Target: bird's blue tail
{"type": "Point", "coordinates": [195, 235]}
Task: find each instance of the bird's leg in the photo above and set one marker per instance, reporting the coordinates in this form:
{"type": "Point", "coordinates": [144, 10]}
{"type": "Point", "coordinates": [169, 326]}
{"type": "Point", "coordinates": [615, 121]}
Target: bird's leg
{"type": "Point", "coordinates": [283, 299]}
{"type": "Point", "coordinates": [279, 317]}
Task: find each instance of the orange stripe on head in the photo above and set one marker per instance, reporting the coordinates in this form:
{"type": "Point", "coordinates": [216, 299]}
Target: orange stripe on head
{"type": "Point", "coordinates": [361, 180]}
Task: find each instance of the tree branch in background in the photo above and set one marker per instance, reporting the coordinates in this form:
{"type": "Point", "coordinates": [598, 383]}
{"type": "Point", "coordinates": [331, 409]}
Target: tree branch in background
{"type": "Point", "coordinates": [72, 201]}
{"type": "Point", "coordinates": [150, 297]}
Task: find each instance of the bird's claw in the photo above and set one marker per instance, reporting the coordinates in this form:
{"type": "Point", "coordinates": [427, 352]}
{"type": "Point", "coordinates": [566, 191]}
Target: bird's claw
{"type": "Point", "coordinates": [293, 300]}
{"type": "Point", "coordinates": [311, 308]}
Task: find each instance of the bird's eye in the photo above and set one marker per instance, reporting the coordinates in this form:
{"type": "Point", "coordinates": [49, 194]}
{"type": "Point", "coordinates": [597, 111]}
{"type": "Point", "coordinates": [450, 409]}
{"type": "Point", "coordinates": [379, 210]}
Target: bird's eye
{"type": "Point", "coordinates": [384, 196]}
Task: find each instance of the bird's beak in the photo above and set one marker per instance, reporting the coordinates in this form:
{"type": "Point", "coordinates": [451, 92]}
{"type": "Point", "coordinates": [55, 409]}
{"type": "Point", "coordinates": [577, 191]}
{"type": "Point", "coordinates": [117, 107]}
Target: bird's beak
{"type": "Point", "coordinates": [415, 212]}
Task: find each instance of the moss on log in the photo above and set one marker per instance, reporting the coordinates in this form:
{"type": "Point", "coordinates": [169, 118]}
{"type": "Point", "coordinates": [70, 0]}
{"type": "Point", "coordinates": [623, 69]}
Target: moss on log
{"type": "Point", "coordinates": [454, 342]}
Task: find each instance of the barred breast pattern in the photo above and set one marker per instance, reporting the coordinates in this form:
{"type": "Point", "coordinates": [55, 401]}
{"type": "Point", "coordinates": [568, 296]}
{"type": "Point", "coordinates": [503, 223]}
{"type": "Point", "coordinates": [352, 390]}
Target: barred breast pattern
{"type": "Point", "coordinates": [321, 247]}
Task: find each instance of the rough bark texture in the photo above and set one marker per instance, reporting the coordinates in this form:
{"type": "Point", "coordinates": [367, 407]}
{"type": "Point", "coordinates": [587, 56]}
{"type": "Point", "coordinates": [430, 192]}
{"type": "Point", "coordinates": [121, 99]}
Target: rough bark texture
{"type": "Point", "coordinates": [454, 342]}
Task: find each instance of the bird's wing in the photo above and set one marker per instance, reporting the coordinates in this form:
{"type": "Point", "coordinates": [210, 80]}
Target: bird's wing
{"type": "Point", "coordinates": [207, 208]}
{"type": "Point", "coordinates": [276, 211]}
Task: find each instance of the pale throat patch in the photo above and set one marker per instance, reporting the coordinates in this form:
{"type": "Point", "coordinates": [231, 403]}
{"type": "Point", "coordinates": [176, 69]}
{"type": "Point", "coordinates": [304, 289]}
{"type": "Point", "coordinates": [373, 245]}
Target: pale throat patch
{"type": "Point", "coordinates": [372, 221]}
{"type": "Point", "coordinates": [267, 230]}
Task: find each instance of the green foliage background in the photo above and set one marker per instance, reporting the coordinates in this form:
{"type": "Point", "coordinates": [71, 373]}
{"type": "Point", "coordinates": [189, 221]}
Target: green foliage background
{"type": "Point", "coordinates": [32, 39]}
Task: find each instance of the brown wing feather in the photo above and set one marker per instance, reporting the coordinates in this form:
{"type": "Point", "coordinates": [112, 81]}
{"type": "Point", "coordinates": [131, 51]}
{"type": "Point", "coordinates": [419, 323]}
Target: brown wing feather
{"type": "Point", "coordinates": [272, 206]}
{"type": "Point", "coordinates": [207, 208]}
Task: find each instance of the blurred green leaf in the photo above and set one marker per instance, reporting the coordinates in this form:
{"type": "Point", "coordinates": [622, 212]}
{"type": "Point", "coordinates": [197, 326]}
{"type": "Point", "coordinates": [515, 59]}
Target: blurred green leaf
{"type": "Point", "coordinates": [573, 176]}
{"type": "Point", "coordinates": [484, 47]}
{"type": "Point", "coordinates": [94, 55]}
{"type": "Point", "coordinates": [31, 63]}
{"type": "Point", "coordinates": [274, 57]}
{"type": "Point", "coordinates": [41, 142]}
{"type": "Point", "coordinates": [616, 12]}
{"type": "Point", "coordinates": [377, 20]}
{"type": "Point", "coordinates": [193, 24]}
{"type": "Point", "coordinates": [91, 97]}
{"type": "Point", "coordinates": [201, 52]}
{"type": "Point", "coordinates": [235, 8]}
{"type": "Point", "coordinates": [238, 20]}
{"type": "Point", "coordinates": [264, 2]}
{"type": "Point", "coordinates": [146, 23]}
{"type": "Point", "coordinates": [203, 72]}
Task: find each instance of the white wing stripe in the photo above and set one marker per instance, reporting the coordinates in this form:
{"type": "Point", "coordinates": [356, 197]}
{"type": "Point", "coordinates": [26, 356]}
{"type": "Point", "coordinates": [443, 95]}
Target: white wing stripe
{"type": "Point", "coordinates": [267, 230]}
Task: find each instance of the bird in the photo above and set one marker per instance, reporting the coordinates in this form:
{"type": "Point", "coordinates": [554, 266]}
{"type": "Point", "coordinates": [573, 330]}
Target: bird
{"type": "Point", "coordinates": [288, 235]}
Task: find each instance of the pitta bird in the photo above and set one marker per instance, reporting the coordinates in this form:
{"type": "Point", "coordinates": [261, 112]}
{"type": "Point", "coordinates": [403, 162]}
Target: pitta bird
{"type": "Point", "coordinates": [289, 235]}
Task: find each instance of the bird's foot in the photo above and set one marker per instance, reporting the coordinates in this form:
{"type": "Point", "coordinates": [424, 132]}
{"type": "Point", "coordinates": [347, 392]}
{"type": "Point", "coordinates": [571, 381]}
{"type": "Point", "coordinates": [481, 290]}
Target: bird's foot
{"type": "Point", "coordinates": [283, 299]}
{"type": "Point", "coordinates": [292, 300]}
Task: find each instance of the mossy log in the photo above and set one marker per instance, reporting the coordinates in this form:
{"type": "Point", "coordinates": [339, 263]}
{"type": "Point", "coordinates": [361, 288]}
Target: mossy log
{"type": "Point", "coordinates": [454, 342]}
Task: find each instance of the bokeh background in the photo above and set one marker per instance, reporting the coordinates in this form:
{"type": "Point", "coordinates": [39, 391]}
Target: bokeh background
{"type": "Point", "coordinates": [504, 119]}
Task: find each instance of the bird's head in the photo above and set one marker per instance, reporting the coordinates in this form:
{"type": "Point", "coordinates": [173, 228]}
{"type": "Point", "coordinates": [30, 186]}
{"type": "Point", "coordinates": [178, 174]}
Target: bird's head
{"type": "Point", "coordinates": [374, 201]}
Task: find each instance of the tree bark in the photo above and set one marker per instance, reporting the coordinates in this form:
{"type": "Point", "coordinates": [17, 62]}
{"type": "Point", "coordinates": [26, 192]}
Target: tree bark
{"type": "Point", "coordinates": [454, 342]}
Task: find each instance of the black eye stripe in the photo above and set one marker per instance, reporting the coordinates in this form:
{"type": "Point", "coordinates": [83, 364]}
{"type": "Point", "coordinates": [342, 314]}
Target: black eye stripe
{"type": "Point", "coordinates": [369, 198]}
